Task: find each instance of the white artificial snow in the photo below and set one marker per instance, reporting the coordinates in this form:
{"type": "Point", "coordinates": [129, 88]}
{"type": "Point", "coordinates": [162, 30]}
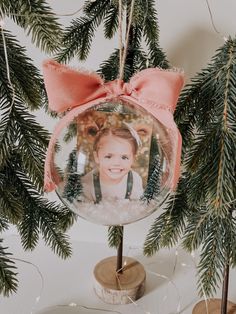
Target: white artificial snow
{"type": "Point", "coordinates": [115, 212]}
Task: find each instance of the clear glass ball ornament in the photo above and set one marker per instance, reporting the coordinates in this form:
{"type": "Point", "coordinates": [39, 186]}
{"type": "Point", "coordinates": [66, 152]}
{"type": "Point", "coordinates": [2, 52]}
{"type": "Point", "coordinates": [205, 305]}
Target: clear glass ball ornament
{"type": "Point", "coordinates": [113, 164]}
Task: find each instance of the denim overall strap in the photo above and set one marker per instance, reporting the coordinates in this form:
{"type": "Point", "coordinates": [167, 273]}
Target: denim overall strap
{"type": "Point", "coordinates": [97, 186]}
{"type": "Point", "coordinates": [129, 184]}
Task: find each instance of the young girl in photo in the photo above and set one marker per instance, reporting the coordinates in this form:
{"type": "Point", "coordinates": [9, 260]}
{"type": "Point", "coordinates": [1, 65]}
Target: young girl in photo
{"type": "Point", "coordinates": [114, 153]}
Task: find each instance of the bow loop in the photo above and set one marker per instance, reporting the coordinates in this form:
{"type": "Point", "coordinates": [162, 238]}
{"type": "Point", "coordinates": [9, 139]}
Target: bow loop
{"type": "Point", "coordinates": [158, 86]}
{"type": "Point", "coordinates": [68, 88]}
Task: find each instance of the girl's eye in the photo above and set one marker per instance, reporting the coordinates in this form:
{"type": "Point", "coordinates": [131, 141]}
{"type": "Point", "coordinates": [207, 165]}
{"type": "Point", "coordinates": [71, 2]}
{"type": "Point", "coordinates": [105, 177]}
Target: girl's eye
{"type": "Point", "coordinates": [124, 157]}
{"type": "Point", "coordinates": [108, 156]}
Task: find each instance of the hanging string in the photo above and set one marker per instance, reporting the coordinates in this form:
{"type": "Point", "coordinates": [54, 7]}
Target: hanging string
{"type": "Point", "coordinates": [120, 24]}
{"type": "Point", "coordinates": [7, 63]}
{"type": "Point", "coordinates": [211, 16]}
{"type": "Point", "coordinates": [225, 38]}
{"type": "Point", "coordinates": [123, 51]}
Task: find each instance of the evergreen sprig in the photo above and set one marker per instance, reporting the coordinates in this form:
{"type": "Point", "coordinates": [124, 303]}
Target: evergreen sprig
{"type": "Point", "coordinates": [206, 117]}
{"type": "Point", "coordinates": [27, 79]}
{"type": "Point", "coordinates": [78, 36]}
{"type": "Point", "coordinates": [37, 19]}
{"type": "Point", "coordinates": [115, 234]}
{"type": "Point", "coordinates": [8, 282]}
{"type": "Point", "coordinates": [168, 227]}
{"type": "Point", "coordinates": [213, 254]}
{"type": "Point", "coordinates": [23, 141]}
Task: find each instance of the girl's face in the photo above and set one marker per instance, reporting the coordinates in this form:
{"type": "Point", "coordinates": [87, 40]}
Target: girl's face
{"type": "Point", "coordinates": [114, 158]}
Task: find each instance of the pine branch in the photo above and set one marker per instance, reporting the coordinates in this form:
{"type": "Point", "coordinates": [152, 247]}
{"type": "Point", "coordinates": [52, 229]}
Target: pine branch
{"type": "Point", "coordinates": [213, 255]}
{"type": "Point", "coordinates": [18, 129]}
{"type": "Point", "coordinates": [146, 18]}
{"type": "Point", "coordinates": [39, 214]}
{"type": "Point", "coordinates": [11, 208]}
{"type": "Point", "coordinates": [24, 75]}
{"type": "Point", "coordinates": [215, 136]}
{"type": "Point", "coordinates": [23, 141]}
{"type": "Point", "coordinates": [206, 117]}
{"type": "Point", "coordinates": [52, 235]}
{"type": "Point", "coordinates": [169, 226]}
{"type": "Point", "coordinates": [115, 234]}
{"type": "Point", "coordinates": [7, 133]}
{"type": "Point", "coordinates": [195, 183]}
{"type": "Point", "coordinates": [37, 19]}
{"type": "Point", "coordinates": [111, 21]}
{"type": "Point", "coordinates": [195, 231]}
{"type": "Point", "coordinates": [77, 40]}
{"type": "Point", "coordinates": [65, 219]}
{"type": "Point", "coordinates": [8, 280]}
{"type": "Point", "coordinates": [3, 223]}
{"type": "Point", "coordinates": [157, 57]}
{"type": "Point", "coordinates": [109, 69]}
{"type": "Point", "coordinates": [33, 140]}
{"type": "Point", "coordinates": [185, 116]}
{"type": "Point", "coordinates": [232, 244]}
{"type": "Point", "coordinates": [150, 22]}
{"type": "Point", "coordinates": [78, 36]}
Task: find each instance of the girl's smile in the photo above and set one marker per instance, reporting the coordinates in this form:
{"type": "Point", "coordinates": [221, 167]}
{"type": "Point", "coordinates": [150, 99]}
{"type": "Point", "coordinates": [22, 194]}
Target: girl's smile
{"type": "Point", "coordinates": [114, 158]}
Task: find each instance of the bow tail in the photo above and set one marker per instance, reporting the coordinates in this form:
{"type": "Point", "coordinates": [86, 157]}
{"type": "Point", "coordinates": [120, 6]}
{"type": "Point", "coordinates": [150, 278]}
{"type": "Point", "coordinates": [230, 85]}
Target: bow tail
{"type": "Point", "coordinates": [177, 161]}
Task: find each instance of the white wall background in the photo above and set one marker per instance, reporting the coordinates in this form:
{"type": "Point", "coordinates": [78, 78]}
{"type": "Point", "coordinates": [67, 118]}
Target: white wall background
{"type": "Point", "coordinates": [189, 40]}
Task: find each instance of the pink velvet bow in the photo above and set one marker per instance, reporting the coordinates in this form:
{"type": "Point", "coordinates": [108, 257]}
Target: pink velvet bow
{"type": "Point", "coordinates": [153, 89]}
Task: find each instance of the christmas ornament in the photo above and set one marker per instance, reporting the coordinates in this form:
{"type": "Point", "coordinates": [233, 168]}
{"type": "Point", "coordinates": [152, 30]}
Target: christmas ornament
{"type": "Point", "coordinates": [122, 159]}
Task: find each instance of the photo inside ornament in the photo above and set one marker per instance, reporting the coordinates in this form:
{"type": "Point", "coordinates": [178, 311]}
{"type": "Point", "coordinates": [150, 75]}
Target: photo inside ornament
{"type": "Point", "coordinates": [113, 162]}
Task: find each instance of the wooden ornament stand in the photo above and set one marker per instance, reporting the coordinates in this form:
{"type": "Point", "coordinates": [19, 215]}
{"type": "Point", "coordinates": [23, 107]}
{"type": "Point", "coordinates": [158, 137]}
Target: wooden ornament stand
{"type": "Point", "coordinates": [119, 287]}
{"type": "Point", "coordinates": [119, 279]}
{"type": "Point", "coordinates": [213, 306]}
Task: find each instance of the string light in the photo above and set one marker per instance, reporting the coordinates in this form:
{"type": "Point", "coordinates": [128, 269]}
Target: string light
{"type": "Point", "coordinates": [37, 299]}
{"type": "Point", "coordinates": [137, 304]}
{"type": "Point", "coordinates": [79, 306]}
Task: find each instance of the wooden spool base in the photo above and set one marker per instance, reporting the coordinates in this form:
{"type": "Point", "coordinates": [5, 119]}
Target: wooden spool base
{"type": "Point", "coordinates": [120, 288]}
{"type": "Point", "coordinates": [214, 307]}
